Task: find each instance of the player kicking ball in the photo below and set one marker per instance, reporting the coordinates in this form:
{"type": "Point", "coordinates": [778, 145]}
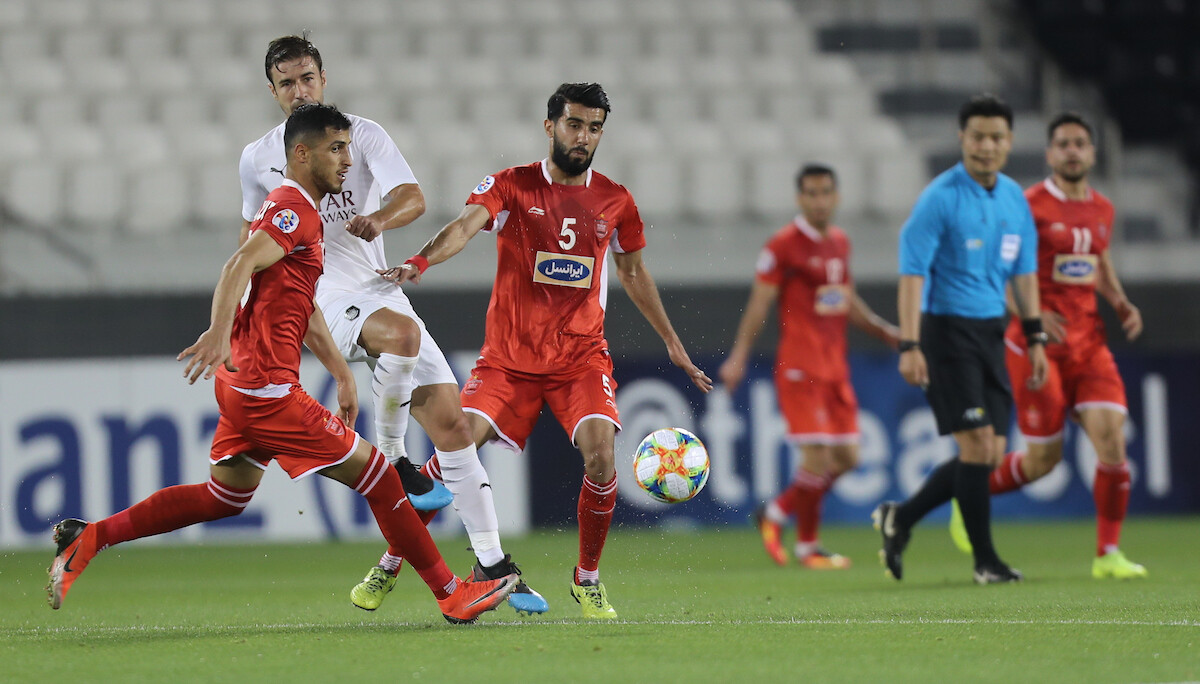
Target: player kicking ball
{"type": "Point", "coordinates": [265, 415]}
{"type": "Point", "coordinates": [555, 221]}
{"type": "Point", "coordinates": [1074, 224]}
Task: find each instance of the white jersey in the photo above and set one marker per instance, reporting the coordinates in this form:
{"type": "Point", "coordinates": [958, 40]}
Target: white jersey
{"type": "Point", "coordinates": [350, 262]}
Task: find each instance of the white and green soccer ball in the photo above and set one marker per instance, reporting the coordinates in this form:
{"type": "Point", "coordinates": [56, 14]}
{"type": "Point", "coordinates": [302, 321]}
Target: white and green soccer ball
{"type": "Point", "coordinates": [671, 465]}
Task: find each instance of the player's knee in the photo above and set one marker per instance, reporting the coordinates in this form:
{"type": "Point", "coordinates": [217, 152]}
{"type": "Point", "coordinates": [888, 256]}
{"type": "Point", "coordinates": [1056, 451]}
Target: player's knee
{"type": "Point", "coordinates": [452, 432]}
{"type": "Point", "coordinates": [1042, 459]}
{"type": "Point", "coordinates": [599, 464]}
{"type": "Point", "coordinates": [401, 336]}
{"type": "Point", "coordinates": [226, 502]}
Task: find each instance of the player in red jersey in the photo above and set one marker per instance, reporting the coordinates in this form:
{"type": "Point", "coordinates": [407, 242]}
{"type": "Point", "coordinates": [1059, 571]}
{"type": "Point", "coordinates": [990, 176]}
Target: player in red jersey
{"type": "Point", "coordinates": [1074, 224]}
{"type": "Point", "coordinates": [254, 351]}
{"type": "Point", "coordinates": [554, 222]}
{"type": "Point", "coordinates": [806, 268]}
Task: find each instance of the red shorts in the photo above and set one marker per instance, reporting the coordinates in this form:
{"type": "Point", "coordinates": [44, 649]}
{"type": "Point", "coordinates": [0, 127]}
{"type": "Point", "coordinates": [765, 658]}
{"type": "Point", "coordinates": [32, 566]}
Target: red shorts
{"type": "Point", "coordinates": [512, 401]}
{"type": "Point", "coordinates": [1084, 378]}
{"type": "Point", "coordinates": [295, 430]}
{"type": "Point", "coordinates": [817, 411]}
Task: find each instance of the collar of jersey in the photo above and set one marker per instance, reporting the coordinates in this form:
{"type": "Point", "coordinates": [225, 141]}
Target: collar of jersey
{"type": "Point", "coordinates": [550, 181]}
{"type": "Point", "coordinates": [1061, 196]}
{"type": "Point", "coordinates": [807, 228]}
{"type": "Point", "coordinates": [293, 184]}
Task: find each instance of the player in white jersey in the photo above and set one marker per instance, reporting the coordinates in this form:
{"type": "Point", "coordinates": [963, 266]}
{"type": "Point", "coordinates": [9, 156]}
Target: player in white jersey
{"type": "Point", "coordinates": [372, 320]}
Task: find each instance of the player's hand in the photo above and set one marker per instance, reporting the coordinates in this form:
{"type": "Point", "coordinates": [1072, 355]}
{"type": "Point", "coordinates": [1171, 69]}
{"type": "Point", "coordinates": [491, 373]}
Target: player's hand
{"type": "Point", "coordinates": [366, 227]}
{"type": "Point", "coordinates": [1055, 325]}
{"type": "Point", "coordinates": [1131, 319]}
{"type": "Point", "coordinates": [732, 372]}
{"type": "Point", "coordinates": [680, 358]}
{"type": "Point", "coordinates": [347, 396]}
{"type": "Point", "coordinates": [913, 368]}
{"type": "Point", "coordinates": [1040, 367]}
{"type": "Point", "coordinates": [209, 351]}
{"type": "Point", "coordinates": [401, 274]}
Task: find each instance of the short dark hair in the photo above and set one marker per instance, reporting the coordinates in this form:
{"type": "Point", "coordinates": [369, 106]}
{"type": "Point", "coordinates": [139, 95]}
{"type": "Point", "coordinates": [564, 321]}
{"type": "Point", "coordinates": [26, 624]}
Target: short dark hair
{"type": "Point", "coordinates": [809, 170]}
{"type": "Point", "coordinates": [984, 105]}
{"type": "Point", "coordinates": [288, 48]}
{"type": "Point", "coordinates": [587, 94]}
{"type": "Point", "coordinates": [312, 119]}
{"type": "Point", "coordinates": [1069, 118]}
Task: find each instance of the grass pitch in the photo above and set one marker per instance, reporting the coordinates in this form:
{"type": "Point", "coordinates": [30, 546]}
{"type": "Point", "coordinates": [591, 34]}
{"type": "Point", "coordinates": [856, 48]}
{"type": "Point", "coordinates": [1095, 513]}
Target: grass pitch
{"type": "Point", "coordinates": [695, 605]}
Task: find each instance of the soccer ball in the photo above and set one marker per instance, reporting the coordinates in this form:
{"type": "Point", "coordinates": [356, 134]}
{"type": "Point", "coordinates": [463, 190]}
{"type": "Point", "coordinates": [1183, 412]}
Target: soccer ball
{"type": "Point", "coordinates": [671, 465]}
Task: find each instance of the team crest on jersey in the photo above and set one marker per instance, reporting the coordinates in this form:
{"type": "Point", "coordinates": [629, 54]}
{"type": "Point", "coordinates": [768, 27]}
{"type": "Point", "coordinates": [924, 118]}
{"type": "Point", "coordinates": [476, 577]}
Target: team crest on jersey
{"type": "Point", "coordinates": [1058, 225]}
{"type": "Point", "coordinates": [601, 228]}
{"type": "Point", "coordinates": [1075, 269]}
{"type": "Point", "coordinates": [472, 385]}
{"type": "Point", "coordinates": [568, 270]}
{"type": "Point", "coordinates": [832, 300]}
{"type": "Point", "coordinates": [484, 185]}
{"type": "Point", "coordinates": [285, 220]}
{"type": "Point", "coordinates": [334, 426]}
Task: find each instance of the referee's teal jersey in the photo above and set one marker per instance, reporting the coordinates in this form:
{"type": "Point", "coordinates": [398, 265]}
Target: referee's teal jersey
{"type": "Point", "coordinates": [967, 241]}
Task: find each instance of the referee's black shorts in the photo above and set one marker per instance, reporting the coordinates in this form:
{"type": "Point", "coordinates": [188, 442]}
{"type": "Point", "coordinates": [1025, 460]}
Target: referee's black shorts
{"type": "Point", "coordinates": [968, 380]}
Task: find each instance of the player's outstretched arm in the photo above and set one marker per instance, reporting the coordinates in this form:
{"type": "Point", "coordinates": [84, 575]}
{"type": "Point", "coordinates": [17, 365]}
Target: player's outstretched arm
{"type": "Point", "coordinates": [865, 319]}
{"type": "Point", "coordinates": [1109, 286]}
{"type": "Point", "coordinates": [640, 286]}
{"type": "Point", "coordinates": [1028, 299]}
{"type": "Point", "coordinates": [758, 307]}
{"type": "Point", "coordinates": [450, 240]}
{"type": "Point", "coordinates": [404, 204]}
{"type": "Point", "coordinates": [912, 361]}
{"type": "Point", "coordinates": [212, 348]}
{"type": "Point", "coordinates": [320, 341]}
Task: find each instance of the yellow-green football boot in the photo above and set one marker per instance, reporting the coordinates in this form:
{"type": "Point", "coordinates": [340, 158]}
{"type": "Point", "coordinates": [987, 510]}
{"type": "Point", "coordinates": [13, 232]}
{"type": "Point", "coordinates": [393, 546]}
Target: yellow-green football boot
{"type": "Point", "coordinates": [958, 529]}
{"type": "Point", "coordinates": [370, 593]}
{"type": "Point", "coordinates": [594, 600]}
{"type": "Point", "coordinates": [1114, 564]}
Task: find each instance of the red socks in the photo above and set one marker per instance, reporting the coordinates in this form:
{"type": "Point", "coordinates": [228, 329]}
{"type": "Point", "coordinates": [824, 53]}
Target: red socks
{"type": "Point", "coordinates": [1111, 493]}
{"type": "Point", "coordinates": [596, 505]}
{"type": "Point", "coordinates": [1008, 476]}
{"type": "Point", "coordinates": [171, 509]}
{"type": "Point", "coordinates": [379, 483]}
{"type": "Point", "coordinates": [803, 499]}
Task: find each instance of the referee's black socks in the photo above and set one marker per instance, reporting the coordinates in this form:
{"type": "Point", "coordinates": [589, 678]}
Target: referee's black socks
{"type": "Point", "coordinates": [974, 500]}
{"type": "Point", "coordinates": [938, 488]}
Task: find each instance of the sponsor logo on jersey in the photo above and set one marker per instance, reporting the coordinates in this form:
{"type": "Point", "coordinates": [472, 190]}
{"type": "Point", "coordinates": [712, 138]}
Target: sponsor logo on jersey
{"type": "Point", "coordinates": [484, 185]}
{"type": "Point", "coordinates": [536, 211]}
{"type": "Point", "coordinates": [568, 270]}
{"type": "Point", "coordinates": [1010, 246]}
{"type": "Point", "coordinates": [285, 220]}
{"type": "Point", "coordinates": [351, 313]}
{"type": "Point", "coordinates": [832, 300]}
{"type": "Point", "coordinates": [1075, 269]}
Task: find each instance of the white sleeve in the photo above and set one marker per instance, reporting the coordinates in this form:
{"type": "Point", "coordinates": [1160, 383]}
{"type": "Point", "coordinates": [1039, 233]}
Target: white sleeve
{"type": "Point", "coordinates": [382, 157]}
{"type": "Point", "coordinates": [253, 193]}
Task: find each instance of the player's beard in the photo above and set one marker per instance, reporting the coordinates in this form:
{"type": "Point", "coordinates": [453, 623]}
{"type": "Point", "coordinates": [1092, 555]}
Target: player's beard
{"type": "Point", "coordinates": [1072, 177]}
{"type": "Point", "coordinates": [561, 156]}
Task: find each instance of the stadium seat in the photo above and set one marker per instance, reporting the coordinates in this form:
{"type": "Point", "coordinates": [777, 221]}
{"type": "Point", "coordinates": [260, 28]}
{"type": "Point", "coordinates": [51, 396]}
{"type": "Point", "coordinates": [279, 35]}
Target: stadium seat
{"type": "Point", "coordinates": [163, 76]}
{"type": "Point", "coordinates": [58, 110]}
{"type": "Point", "coordinates": [15, 14]}
{"type": "Point", "coordinates": [158, 202]}
{"type": "Point", "coordinates": [216, 42]}
{"type": "Point", "coordinates": [35, 77]}
{"type": "Point", "coordinates": [24, 144]}
{"type": "Point", "coordinates": [117, 109]}
{"type": "Point", "coordinates": [123, 14]}
{"type": "Point", "coordinates": [18, 44]}
{"type": "Point", "coordinates": [36, 193]}
{"type": "Point", "coordinates": [94, 197]}
{"type": "Point", "coordinates": [656, 182]}
{"type": "Point", "coordinates": [97, 76]}
{"type": "Point", "coordinates": [215, 195]}
{"type": "Point", "coordinates": [714, 187]}
{"type": "Point", "coordinates": [145, 44]}
{"type": "Point", "coordinates": [771, 182]}
{"type": "Point", "coordinates": [541, 15]}
{"type": "Point", "coordinates": [67, 144]}
{"type": "Point", "coordinates": [59, 14]}
{"type": "Point", "coordinates": [138, 146]}
{"type": "Point", "coordinates": [186, 15]}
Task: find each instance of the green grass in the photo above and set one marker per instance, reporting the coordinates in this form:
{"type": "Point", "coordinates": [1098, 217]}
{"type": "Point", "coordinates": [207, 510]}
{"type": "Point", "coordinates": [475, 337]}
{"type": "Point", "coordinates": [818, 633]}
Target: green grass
{"type": "Point", "coordinates": [695, 605]}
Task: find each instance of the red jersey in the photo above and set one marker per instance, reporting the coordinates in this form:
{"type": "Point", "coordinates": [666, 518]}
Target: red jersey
{"type": "Point", "coordinates": [812, 272]}
{"type": "Point", "coordinates": [1072, 234]}
{"type": "Point", "coordinates": [546, 314]}
{"type": "Point", "coordinates": [270, 326]}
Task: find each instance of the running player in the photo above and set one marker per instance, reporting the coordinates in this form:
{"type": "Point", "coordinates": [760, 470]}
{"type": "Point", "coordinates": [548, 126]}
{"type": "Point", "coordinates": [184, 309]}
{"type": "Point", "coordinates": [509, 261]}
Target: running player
{"type": "Point", "coordinates": [254, 351]}
{"type": "Point", "coordinates": [554, 222]}
{"type": "Point", "coordinates": [372, 320]}
{"type": "Point", "coordinates": [806, 267]}
{"type": "Point", "coordinates": [1074, 224]}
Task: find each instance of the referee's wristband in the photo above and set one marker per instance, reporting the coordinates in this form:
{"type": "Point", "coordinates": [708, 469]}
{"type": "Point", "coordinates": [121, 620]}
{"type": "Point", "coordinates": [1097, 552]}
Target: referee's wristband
{"type": "Point", "coordinates": [420, 262]}
{"type": "Point", "coordinates": [1034, 334]}
{"type": "Point", "coordinates": [907, 345]}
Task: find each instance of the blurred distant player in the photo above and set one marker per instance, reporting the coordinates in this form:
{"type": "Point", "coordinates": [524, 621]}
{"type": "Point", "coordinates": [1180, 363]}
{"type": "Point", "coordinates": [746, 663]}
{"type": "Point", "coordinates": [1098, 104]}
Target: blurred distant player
{"type": "Point", "coordinates": [554, 222]}
{"type": "Point", "coordinates": [372, 320]}
{"type": "Point", "coordinates": [806, 266]}
{"type": "Point", "coordinates": [1074, 224]}
{"type": "Point", "coordinates": [254, 351]}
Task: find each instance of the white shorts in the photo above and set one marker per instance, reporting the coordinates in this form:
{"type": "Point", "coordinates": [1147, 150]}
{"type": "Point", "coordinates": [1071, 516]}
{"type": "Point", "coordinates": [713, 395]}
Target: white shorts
{"type": "Point", "coordinates": [346, 311]}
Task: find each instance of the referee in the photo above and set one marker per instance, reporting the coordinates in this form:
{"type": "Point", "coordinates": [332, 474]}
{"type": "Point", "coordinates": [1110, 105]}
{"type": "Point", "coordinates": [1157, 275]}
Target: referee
{"type": "Point", "coordinates": [970, 233]}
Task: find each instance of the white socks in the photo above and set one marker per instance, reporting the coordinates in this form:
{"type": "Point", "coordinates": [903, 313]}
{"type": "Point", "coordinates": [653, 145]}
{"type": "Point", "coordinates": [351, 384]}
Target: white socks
{"type": "Point", "coordinates": [393, 388]}
{"type": "Point", "coordinates": [464, 476]}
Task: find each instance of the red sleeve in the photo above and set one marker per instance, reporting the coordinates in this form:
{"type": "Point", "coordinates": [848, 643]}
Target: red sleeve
{"type": "Point", "coordinates": [284, 224]}
{"type": "Point", "coordinates": [492, 193]}
{"type": "Point", "coordinates": [769, 266]}
{"type": "Point", "coordinates": [630, 235]}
